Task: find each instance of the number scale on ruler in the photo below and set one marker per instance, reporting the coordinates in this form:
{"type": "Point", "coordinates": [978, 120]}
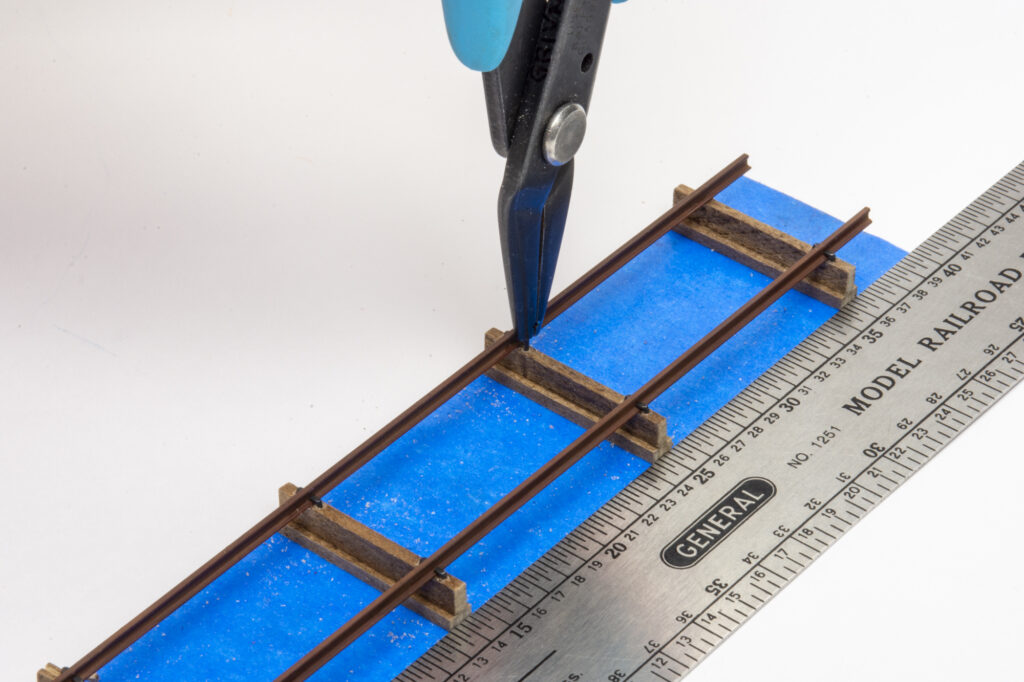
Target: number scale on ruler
{"type": "Point", "coordinates": [686, 553]}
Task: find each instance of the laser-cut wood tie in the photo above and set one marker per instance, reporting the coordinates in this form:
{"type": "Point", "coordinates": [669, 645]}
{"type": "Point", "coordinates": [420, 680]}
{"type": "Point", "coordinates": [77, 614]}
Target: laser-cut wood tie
{"type": "Point", "coordinates": [764, 248]}
{"type": "Point", "coordinates": [577, 397]}
{"type": "Point", "coordinates": [374, 559]}
{"type": "Point", "coordinates": [50, 672]}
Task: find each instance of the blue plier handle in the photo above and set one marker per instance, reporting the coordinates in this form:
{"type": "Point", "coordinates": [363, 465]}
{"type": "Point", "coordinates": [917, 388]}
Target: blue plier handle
{"type": "Point", "coordinates": [481, 30]}
{"type": "Point", "coordinates": [537, 96]}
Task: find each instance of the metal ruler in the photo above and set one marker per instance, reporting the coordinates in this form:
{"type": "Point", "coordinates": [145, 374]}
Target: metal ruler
{"type": "Point", "coordinates": [684, 555]}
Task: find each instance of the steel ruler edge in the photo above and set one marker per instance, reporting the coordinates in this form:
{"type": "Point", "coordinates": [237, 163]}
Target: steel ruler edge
{"type": "Point", "coordinates": [674, 563]}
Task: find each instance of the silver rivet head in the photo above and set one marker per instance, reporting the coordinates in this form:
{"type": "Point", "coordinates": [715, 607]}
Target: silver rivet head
{"type": "Point", "coordinates": [564, 134]}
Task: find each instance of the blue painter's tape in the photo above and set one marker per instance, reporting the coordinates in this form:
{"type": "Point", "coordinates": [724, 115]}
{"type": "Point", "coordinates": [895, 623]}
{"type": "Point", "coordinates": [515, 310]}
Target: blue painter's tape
{"type": "Point", "coordinates": [278, 603]}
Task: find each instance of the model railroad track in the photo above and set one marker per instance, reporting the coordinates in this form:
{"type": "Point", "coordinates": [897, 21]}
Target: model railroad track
{"type": "Point", "coordinates": [433, 565]}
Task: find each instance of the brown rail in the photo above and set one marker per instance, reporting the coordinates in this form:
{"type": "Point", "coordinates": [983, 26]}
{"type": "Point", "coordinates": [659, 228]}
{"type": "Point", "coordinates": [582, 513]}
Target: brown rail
{"type": "Point", "coordinates": [375, 444]}
{"type": "Point", "coordinates": [615, 419]}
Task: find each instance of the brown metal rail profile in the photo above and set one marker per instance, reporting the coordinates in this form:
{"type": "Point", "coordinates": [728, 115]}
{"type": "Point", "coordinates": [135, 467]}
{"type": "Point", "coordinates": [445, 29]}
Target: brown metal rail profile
{"type": "Point", "coordinates": [311, 494]}
{"type": "Point", "coordinates": [591, 438]}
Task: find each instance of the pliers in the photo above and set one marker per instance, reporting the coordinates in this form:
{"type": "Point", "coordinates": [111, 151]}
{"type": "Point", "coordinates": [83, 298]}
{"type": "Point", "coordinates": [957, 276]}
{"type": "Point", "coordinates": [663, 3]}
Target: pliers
{"type": "Point", "coordinates": [539, 68]}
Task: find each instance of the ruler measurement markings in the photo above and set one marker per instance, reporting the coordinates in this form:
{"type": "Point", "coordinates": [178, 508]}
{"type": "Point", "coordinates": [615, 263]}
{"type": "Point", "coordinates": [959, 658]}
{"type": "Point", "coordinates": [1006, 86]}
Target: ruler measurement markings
{"type": "Point", "coordinates": [835, 335]}
{"type": "Point", "coordinates": [818, 347]}
{"type": "Point", "coordinates": [802, 352]}
{"type": "Point", "coordinates": [895, 277]}
{"type": "Point", "coordinates": [926, 255]}
{"type": "Point", "coordinates": [658, 473]}
{"type": "Point", "coordinates": [698, 435]}
{"type": "Point", "coordinates": [954, 234]}
{"type": "Point", "coordinates": [856, 309]}
{"type": "Point", "coordinates": [901, 277]}
{"type": "Point", "coordinates": [660, 485]}
{"type": "Point", "coordinates": [792, 535]}
{"type": "Point", "coordinates": [734, 413]}
{"type": "Point", "coordinates": [709, 431]}
{"type": "Point", "coordinates": [987, 200]}
{"type": "Point", "coordinates": [893, 463]}
{"type": "Point", "coordinates": [674, 460]}
{"type": "Point", "coordinates": [732, 418]}
{"type": "Point", "coordinates": [955, 253]}
{"type": "Point", "coordinates": [947, 234]}
{"type": "Point", "coordinates": [850, 319]}
{"type": "Point", "coordinates": [980, 205]}
{"type": "Point", "coordinates": [894, 283]}
{"type": "Point", "coordinates": [495, 607]}
{"type": "Point", "coordinates": [633, 495]}
{"type": "Point", "coordinates": [913, 261]}
{"type": "Point", "coordinates": [762, 564]}
{"type": "Point", "coordinates": [934, 246]}
{"type": "Point", "coordinates": [786, 367]}
{"type": "Point", "coordinates": [491, 611]}
{"type": "Point", "coordinates": [685, 449]}
{"type": "Point", "coordinates": [881, 286]}
{"type": "Point", "coordinates": [974, 215]}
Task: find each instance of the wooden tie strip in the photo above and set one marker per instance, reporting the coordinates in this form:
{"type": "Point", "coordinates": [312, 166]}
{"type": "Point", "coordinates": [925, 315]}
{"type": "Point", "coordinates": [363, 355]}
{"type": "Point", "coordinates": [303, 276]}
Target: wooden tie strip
{"type": "Point", "coordinates": [561, 462]}
{"type": "Point", "coordinates": [50, 672]}
{"type": "Point", "coordinates": [577, 397]}
{"type": "Point", "coordinates": [375, 444]}
{"type": "Point", "coordinates": [764, 248]}
{"type": "Point", "coordinates": [374, 559]}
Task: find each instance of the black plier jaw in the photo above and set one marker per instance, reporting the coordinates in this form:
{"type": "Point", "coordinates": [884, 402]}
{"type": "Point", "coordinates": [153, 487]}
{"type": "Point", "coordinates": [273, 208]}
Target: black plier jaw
{"type": "Point", "coordinates": [537, 101]}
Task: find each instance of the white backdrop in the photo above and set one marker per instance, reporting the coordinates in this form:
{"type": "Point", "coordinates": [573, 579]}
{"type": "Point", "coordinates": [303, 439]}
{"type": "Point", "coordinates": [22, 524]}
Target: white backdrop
{"type": "Point", "coordinates": [218, 221]}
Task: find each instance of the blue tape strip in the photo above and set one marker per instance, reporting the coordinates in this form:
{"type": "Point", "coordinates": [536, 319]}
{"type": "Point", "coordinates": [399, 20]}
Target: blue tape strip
{"type": "Point", "coordinates": [270, 609]}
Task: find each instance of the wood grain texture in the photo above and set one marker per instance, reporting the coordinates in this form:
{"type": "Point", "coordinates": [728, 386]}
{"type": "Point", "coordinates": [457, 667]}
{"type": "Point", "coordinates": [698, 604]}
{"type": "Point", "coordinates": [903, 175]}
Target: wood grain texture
{"type": "Point", "coordinates": [577, 397]}
{"type": "Point", "coordinates": [374, 559]}
{"type": "Point", "coordinates": [764, 248]}
{"type": "Point", "coordinates": [50, 672]}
